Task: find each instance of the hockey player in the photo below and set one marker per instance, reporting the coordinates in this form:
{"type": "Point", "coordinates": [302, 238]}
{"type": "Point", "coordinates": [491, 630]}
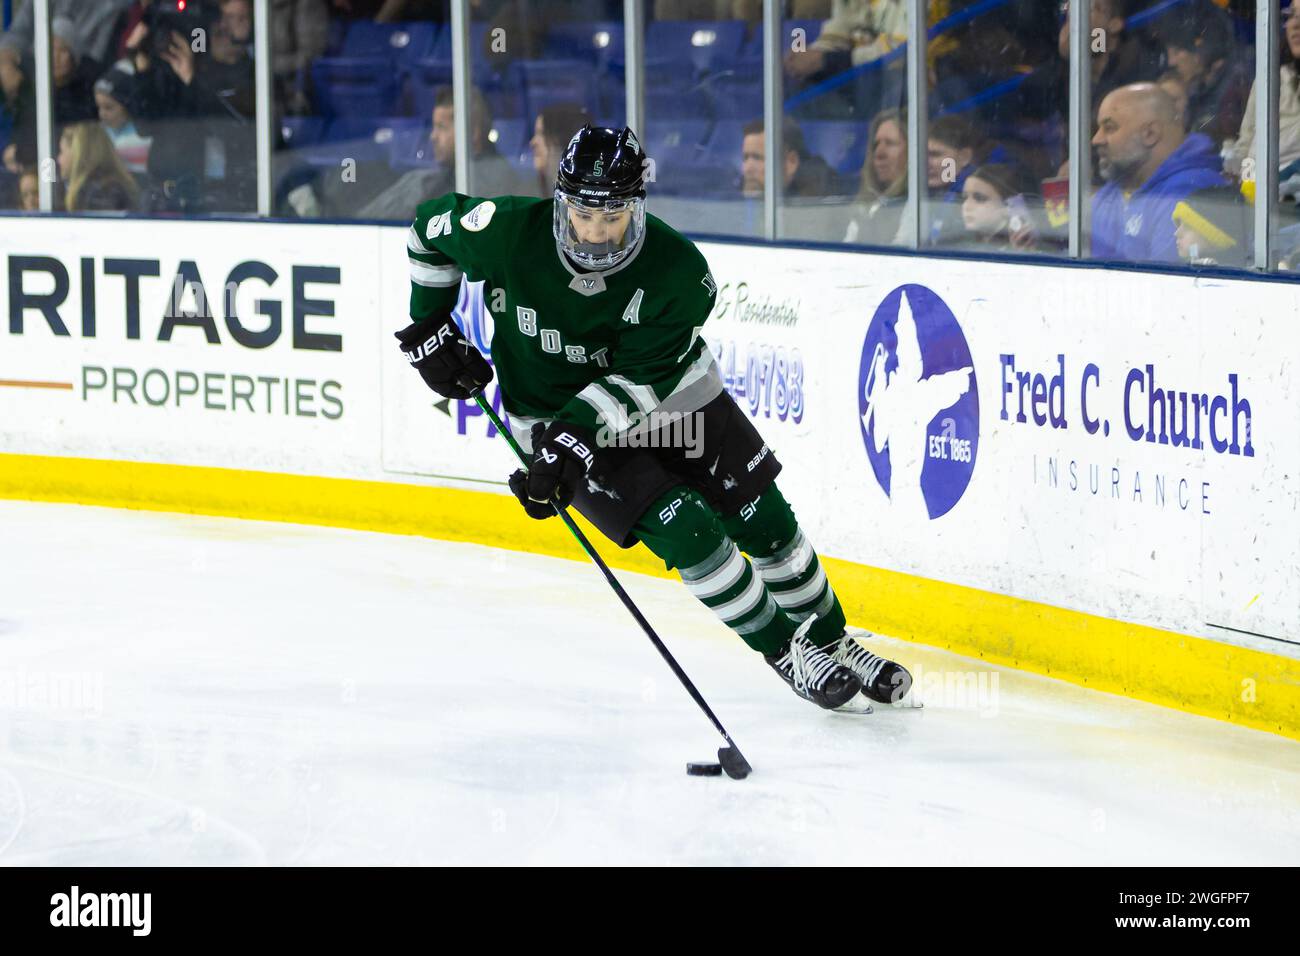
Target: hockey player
{"type": "Point", "coordinates": [597, 309]}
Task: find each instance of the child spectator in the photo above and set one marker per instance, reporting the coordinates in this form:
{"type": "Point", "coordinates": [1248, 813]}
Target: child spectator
{"type": "Point", "coordinates": [955, 147]}
{"type": "Point", "coordinates": [112, 99]}
{"type": "Point", "coordinates": [995, 209]}
{"type": "Point", "coordinates": [1213, 227]}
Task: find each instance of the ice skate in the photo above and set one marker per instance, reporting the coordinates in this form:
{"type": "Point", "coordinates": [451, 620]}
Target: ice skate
{"type": "Point", "coordinates": [812, 674]}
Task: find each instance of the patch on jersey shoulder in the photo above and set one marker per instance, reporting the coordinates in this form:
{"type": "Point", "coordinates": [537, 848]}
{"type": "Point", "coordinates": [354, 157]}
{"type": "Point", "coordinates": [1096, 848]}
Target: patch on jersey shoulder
{"type": "Point", "coordinates": [477, 218]}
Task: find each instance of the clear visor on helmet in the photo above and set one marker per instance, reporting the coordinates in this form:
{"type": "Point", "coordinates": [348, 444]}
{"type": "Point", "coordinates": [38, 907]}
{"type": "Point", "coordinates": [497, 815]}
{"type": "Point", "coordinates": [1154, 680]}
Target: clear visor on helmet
{"type": "Point", "coordinates": [600, 236]}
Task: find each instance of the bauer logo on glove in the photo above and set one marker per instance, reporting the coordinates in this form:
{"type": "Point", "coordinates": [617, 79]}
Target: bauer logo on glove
{"type": "Point", "coordinates": [445, 359]}
{"type": "Point", "coordinates": [562, 457]}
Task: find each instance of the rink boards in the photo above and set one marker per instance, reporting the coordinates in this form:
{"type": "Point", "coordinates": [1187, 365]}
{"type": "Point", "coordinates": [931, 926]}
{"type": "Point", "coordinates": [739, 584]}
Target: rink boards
{"type": "Point", "coordinates": [1082, 472]}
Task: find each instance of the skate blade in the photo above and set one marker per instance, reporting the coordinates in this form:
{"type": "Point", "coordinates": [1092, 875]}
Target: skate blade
{"type": "Point", "coordinates": [854, 708]}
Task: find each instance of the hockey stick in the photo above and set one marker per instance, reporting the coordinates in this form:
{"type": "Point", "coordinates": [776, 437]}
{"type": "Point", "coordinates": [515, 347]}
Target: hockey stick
{"type": "Point", "coordinates": [732, 760]}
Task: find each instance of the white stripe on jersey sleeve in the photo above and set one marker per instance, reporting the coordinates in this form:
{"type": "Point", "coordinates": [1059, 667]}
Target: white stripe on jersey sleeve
{"type": "Point", "coordinates": [643, 395]}
{"type": "Point", "coordinates": [435, 277]}
{"type": "Point", "coordinates": [606, 406]}
{"type": "Point", "coordinates": [414, 244]}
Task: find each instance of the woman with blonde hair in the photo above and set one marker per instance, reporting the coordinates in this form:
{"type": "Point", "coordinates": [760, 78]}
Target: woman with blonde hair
{"type": "Point", "coordinates": [876, 216]}
{"type": "Point", "coordinates": [93, 175]}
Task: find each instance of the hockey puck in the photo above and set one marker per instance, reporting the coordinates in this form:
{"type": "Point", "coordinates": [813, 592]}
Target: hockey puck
{"type": "Point", "coordinates": [704, 769]}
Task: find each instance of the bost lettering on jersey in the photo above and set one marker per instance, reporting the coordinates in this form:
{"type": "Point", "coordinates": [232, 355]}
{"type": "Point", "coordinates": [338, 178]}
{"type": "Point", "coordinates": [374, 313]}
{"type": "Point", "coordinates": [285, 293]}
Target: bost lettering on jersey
{"type": "Point", "coordinates": [552, 343]}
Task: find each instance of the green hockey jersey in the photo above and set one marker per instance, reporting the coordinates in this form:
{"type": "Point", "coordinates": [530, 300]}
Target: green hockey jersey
{"type": "Point", "coordinates": [598, 349]}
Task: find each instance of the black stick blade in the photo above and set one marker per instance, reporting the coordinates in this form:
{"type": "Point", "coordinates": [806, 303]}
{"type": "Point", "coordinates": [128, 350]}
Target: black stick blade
{"type": "Point", "coordinates": [734, 762]}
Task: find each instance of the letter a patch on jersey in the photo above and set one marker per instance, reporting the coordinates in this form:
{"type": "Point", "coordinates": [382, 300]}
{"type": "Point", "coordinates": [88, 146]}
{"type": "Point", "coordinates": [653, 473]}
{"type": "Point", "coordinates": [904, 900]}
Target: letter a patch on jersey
{"type": "Point", "coordinates": [632, 313]}
{"type": "Point", "coordinates": [477, 218]}
{"type": "Point", "coordinates": [439, 225]}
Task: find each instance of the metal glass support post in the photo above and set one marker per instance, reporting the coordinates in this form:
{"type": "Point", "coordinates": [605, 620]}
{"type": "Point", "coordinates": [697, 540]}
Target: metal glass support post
{"type": "Point", "coordinates": [460, 89]}
{"type": "Point", "coordinates": [265, 116]}
{"type": "Point", "coordinates": [1267, 83]}
{"type": "Point", "coordinates": [634, 26]}
{"type": "Point", "coordinates": [918, 122]}
{"type": "Point", "coordinates": [773, 118]}
{"type": "Point", "coordinates": [1080, 127]}
{"type": "Point", "coordinates": [47, 168]}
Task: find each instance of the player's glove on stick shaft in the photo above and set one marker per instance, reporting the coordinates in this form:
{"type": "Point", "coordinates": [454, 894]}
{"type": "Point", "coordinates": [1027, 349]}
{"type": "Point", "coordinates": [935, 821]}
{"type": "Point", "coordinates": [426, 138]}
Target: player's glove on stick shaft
{"type": "Point", "coordinates": [563, 455]}
{"type": "Point", "coordinates": [445, 359]}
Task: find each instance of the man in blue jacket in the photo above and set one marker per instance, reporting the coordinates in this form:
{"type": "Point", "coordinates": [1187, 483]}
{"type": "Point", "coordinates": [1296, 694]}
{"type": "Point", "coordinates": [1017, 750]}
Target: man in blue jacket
{"type": "Point", "coordinates": [1150, 165]}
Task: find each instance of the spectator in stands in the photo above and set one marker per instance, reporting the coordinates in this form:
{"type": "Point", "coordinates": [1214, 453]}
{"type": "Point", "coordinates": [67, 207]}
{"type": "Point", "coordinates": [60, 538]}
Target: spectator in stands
{"type": "Point", "coordinates": [1213, 227]}
{"type": "Point", "coordinates": [29, 191]}
{"type": "Point", "coordinates": [877, 212]}
{"type": "Point", "coordinates": [552, 130]}
{"type": "Point", "coordinates": [491, 173]}
{"type": "Point", "coordinates": [1149, 165]}
{"type": "Point", "coordinates": [93, 177]}
{"type": "Point", "coordinates": [858, 31]}
{"type": "Point", "coordinates": [1199, 47]}
{"type": "Point", "coordinates": [299, 34]}
{"type": "Point", "coordinates": [955, 147]}
{"type": "Point", "coordinates": [1120, 59]}
{"type": "Point", "coordinates": [112, 99]}
{"type": "Point", "coordinates": [996, 209]}
{"type": "Point", "coordinates": [91, 34]}
{"type": "Point", "coordinates": [1172, 83]}
{"type": "Point", "coordinates": [804, 175]}
{"type": "Point", "coordinates": [199, 111]}
{"type": "Point", "coordinates": [1288, 141]}
{"type": "Point", "coordinates": [72, 78]}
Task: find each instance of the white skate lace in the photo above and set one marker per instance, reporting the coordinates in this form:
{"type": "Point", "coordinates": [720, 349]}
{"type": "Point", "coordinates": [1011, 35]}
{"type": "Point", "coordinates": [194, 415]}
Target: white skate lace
{"type": "Point", "coordinates": [858, 659]}
{"type": "Point", "coordinates": [809, 665]}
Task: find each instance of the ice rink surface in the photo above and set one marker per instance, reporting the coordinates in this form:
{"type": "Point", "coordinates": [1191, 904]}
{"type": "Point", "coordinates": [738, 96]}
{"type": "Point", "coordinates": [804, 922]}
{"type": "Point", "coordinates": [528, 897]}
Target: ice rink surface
{"type": "Point", "coordinates": [191, 690]}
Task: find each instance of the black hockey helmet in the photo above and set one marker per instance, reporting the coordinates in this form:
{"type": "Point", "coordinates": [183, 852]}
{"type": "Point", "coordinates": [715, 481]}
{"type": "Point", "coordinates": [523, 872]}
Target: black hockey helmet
{"type": "Point", "coordinates": [601, 177]}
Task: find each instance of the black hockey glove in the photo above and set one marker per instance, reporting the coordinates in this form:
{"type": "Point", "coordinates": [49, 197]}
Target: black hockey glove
{"type": "Point", "coordinates": [444, 358]}
{"type": "Point", "coordinates": [563, 455]}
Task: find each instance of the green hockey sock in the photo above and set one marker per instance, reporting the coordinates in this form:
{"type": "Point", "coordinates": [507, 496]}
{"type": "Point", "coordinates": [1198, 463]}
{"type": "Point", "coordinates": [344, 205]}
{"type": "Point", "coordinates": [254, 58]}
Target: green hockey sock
{"type": "Point", "coordinates": [683, 530]}
{"type": "Point", "coordinates": [784, 558]}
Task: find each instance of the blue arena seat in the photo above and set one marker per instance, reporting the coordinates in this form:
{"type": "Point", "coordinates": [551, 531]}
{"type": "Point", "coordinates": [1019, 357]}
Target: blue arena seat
{"type": "Point", "coordinates": [410, 148]}
{"type": "Point", "coordinates": [412, 43]}
{"type": "Point", "coordinates": [368, 38]}
{"type": "Point", "coordinates": [752, 51]}
{"type": "Point", "coordinates": [547, 82]}
{"type": "Point", "coordinates": [737, 92]}
{"type": "Point", "coordinates": [724, 143]}
{"type": "Point", "coordinates": [360, 139]}
{"type": "Point", "coordinates": [600, 42]}
{"type": "Point", "coordinates": [842, 144]}
{"type": "Point", "coordinates": [705, 44]}
{"type": "Point", "coordinates": [425, 75]}
{"type": "Point", "coordinates": [511, 136]}
{"type": "Point", "coordinates": [675, 146]}
{"type": "Point", "coordinates": [298, 132]}
{"type": "Point", "coordinates": [355, 86]}
{"type": "Point", "coordinates": [703, 179]}
{"type": "Point", "coordinates": [692, 103]}
{"type": "Point", "coordinates": [442, 44]}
